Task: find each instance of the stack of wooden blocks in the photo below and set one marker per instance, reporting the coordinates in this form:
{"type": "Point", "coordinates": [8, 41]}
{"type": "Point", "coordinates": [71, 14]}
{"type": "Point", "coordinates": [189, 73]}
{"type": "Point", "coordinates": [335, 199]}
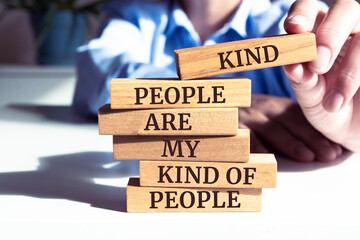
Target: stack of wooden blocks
{"type": "Point", "coordinates": [192, 155]}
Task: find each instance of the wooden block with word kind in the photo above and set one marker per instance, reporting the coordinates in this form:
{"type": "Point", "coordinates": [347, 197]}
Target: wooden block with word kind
{"type": "Point", "coordinates": [259, 172]}
{"type": "Point", "coordinates": [160, 199]}
{"type": "Point", "coordinates": [190, 121]}
{"type": "Point", "coordinates": [165, 93]}
{"type": "Point", "coordinates": [245, 55]}
{"type": "Point", "coordinates": [179, 148]}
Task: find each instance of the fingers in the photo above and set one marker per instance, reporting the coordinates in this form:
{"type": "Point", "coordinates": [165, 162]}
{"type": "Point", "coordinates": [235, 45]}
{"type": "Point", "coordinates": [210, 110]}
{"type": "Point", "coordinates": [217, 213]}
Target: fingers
{"type": "Point", "coordinates": [347, 80]}
{"type": "Point", "coordinates": [342, 83]}
{"type": "Point", "coordinates": [283, 127]}
{"type": "Point", "coordinates": [256, 146]}
{"type": "Point", "coordinates": [309, 88]}
{"type": "Point", "coordinates": [282, 141]}
{"type": "Point", "coordinates": [275, 135]}
{"type": "Point", "coordinates": [332, 28]}
{"type": "Point", "coordinates": [327, 88]}
{"type": "Point", "coordinates": [342, 71]}
{"type": "Point", "coordinates": [304, 16]}
{"type": "Point", "coordinates": [295, 122]}
{"type": "Point", "coordinates": [338, 148]}
{"type": "Point", "coordinates": [333, 32]}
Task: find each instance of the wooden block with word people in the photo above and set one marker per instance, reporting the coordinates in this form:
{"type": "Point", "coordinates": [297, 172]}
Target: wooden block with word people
{"type": "Point", "coordinates": [189, 121]}
{"type": "Point", "coordinates": [166, 93]}
{"type": "Point", "coordinates": [160, 199]}
{"type": "Point", "coordinates": [184, 148]}
{"type": "Point", "coordinates": [259, 172]}
{"type": "Point", "coordinates": [245, 55]}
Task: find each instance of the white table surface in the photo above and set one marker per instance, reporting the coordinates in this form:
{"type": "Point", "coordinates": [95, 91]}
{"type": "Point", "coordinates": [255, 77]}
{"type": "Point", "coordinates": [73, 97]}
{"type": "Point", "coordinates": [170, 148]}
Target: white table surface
{"type": "Point", "coordinates": [58, 180]}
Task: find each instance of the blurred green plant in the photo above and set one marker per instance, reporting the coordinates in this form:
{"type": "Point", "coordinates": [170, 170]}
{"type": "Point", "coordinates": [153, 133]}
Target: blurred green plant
{"type": "Point", "coordinates": [38, 6]}
{"type": "Point", "coordinates": [50, 8]}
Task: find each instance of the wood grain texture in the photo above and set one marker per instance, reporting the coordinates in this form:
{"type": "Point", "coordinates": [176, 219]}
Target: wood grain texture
{"type": "Point", "coordinates": [165, 93]}
{"type": "Point", "coordinates": [259, 172]}
{"type": "Point", "coordinates": [159, 199]}
{"type": "Point", "coordinates": [180, 148]}
{"type": "Point", "coordinates": [245, 55]}
{"type": "Point", "coordinates": [191, 121]}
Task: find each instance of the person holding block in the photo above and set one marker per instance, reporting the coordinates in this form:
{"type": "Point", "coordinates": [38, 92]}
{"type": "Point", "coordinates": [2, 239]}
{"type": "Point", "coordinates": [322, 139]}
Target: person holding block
{"type": "Point", "coordinates": [139, 38]}
{"type": "Point", "coordinates": [327, 89]}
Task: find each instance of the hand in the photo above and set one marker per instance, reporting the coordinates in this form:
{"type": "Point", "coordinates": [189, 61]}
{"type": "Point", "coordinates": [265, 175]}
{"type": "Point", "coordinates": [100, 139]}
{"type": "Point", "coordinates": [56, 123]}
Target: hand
{"type": "Point", "coordinates": [328, 89]}
{"type": "Point", "coordinates": [278, 123]}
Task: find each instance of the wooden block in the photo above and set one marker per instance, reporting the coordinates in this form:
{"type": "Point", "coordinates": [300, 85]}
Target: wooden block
{"type": "Point", "coordinates": [192, 121]}
{"type": "Point", "coordinates": [259, 172]}
{"type": "Point", "coordinates": [245, 55]}
{"type": "Point", "coordinates": [179, 148]}
{"type": "Point", "coordinates": [165, 93]}
{"type": "Point", "coordinates": [158, 199]}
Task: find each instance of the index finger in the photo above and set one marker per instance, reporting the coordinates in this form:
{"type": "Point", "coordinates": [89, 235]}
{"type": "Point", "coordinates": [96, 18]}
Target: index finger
{"type": "Point", "coordinates": [341, 20]}
{"type": "Point", "coordinates": [304, 16]}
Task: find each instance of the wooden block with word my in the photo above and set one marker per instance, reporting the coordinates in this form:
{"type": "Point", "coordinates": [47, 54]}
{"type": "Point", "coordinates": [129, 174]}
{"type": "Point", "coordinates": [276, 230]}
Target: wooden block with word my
{"type": "Point", "coordinates": [165, 93]}
{"type": "Point", "coordinates": [179, 148]}
{"type": "Point", "coordinates": [160, 199]}
{"type": "Point", "coordinates": [259, 172]}
{"type": "Point", "coordinates": [245, 55]}
{"type": "Point", "coordinates": [190, 121]}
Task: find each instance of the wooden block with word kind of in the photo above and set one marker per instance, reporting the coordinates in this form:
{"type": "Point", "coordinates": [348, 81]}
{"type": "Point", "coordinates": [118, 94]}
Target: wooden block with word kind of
{"type": "Point", "coordinates": [245, 55]}
{"type": "Point", "coordinates": [160, 199]}
{"type": "Point", "coordinates": [259, 172]}
{"type": "Point", "coordinates": [191, 121]}
{"type": "Point", "coordinates": [180, 148]}
{"type": "Point", "coordinates": [166, 93]}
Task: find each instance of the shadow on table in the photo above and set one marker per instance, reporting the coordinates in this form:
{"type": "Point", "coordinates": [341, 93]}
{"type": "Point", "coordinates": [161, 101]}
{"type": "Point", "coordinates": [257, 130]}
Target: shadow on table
{"type": "Point", "coordinates": [287, 165]}
{"type": "Point", "coordinates": [65, 114]}
{"type": "Point", "coordinates": [71, 177]}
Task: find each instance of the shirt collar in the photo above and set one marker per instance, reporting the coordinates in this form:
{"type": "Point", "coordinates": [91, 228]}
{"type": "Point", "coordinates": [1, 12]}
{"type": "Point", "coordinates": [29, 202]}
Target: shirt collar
{"type": "Point", "coordinates": [246, 10]}
{"type": "Point", "coordinates": [178, 19]}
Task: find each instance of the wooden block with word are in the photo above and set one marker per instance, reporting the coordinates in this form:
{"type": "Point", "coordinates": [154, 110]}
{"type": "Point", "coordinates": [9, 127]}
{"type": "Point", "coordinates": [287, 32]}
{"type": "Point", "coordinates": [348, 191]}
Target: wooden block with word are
{"type": "Point", "coordinates": [259, 172]}
{"type": "Point", "coordinates": [190, 121]}
{"type": "Point", "coordinates": [165, 93]}
{"type": "Point", "coordinates": [159, 199]}
{"type": "Point", "coordinates": [179, 148]}
{"type": "Point", "coordinates": [245, 55]}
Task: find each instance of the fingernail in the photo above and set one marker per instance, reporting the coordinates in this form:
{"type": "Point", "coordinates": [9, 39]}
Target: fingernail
{"type": "Point", "coordinates": [297, 71]}
{"type": "Point", "coordinates": [321, 64]}
{"type": "Point", "coordinates": [304, 153]}
{"type": "Point", "coordinates": [326, 152]}
{"type": "Point", "coordinates": [297, 19]}
{"type": "Point", "coordinates": [338, 149]}
{"type": "Point", "coordinates": [333, 101]}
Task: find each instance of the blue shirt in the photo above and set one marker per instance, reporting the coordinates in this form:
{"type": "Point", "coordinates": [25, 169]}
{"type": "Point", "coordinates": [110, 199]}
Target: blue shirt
{"type": "Point", "coordinates": [139, 38]}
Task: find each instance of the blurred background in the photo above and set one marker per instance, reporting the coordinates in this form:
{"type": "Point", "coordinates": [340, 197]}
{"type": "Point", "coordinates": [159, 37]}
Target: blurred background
{"type": "Point", "coordinates": [47, 32]}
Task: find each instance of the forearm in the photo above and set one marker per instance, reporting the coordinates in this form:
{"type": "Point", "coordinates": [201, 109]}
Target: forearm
{"type": "Point", "coordinates": [93, 85]}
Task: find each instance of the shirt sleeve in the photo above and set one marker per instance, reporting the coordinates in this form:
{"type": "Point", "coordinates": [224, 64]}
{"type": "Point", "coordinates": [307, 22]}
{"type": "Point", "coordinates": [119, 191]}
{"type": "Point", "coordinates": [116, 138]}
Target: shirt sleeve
{"type": "Point", "coordinates": [122, 51]}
